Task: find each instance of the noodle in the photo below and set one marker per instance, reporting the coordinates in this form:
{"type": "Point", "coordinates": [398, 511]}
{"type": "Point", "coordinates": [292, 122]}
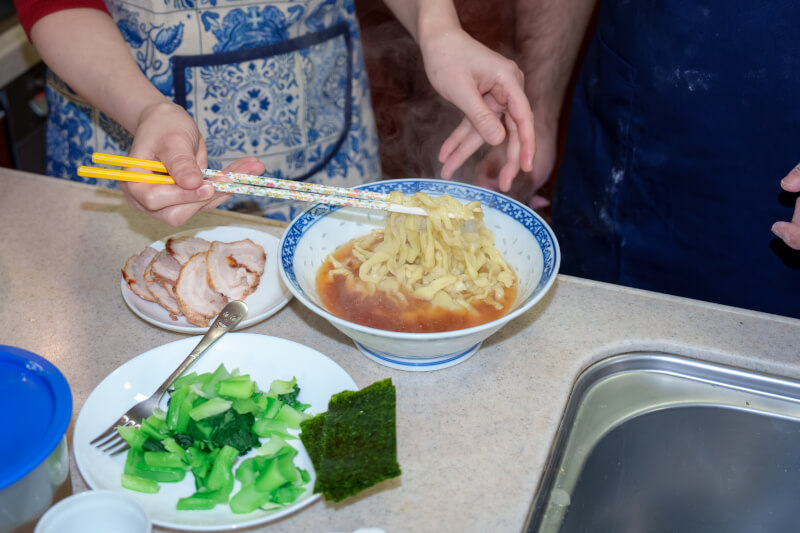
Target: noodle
{"type": "Point", "coordinates": [450, 261]}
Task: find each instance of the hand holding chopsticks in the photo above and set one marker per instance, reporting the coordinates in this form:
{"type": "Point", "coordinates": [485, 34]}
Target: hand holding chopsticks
{"type": "Point", "coordinates": [248, 184]}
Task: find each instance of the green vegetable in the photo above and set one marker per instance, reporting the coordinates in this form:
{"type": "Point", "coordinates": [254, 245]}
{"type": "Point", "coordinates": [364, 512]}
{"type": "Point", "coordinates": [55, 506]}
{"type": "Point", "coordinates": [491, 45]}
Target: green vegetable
{"type": "Point", "coordinates": [199, 501]}
{"type": "Point", "coordinates": [236, 387]}
{"type": "Point", "coordinates": [291, 416]}
{"type": "Point", "coordinates": [266, 427]}
{"type": "Point", "coordinates": [152, 445]}
{"type": "Point", "coordinates": [353, 446]}
{"type": "Point", "coordinates": [140, 484]}
{"type": "Point", "coordinates": [213, 419]}
{"type": "Point", "coordinates": [269, 481]}
{"type": "Point", "coordinates": [180, 403]}
{"type": "Point", "coordinates": [287, 392]}
{"type": "Point", "coordinates": [132, 436]}
{"type": "Point", "coordinates": [249, 499]}
{"type": "Point", "coordinates": [209, 387]}
{"type": "Point", "coordinates": [232, 429]}
{"type": "Point", "coordinates": [135, 465]}
{"type": "Point", "coordinates": [170, 445]}
{"type": "Point", "coordinates": [221, 476]}
{"type": "Point", "coordinates": [214, 406]}
{"type": "Point", "coordinates": [168, 459]}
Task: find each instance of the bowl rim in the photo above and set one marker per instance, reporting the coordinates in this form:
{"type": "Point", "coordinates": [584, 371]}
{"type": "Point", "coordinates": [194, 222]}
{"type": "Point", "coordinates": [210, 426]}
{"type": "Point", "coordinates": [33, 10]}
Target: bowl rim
{"type": "Point", "coordinates": [492, 325]}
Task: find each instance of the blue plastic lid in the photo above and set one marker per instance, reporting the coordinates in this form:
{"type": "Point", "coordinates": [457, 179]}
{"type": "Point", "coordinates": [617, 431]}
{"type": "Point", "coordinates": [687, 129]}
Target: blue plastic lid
{"type": "Point", "coordinates": [36, 414]}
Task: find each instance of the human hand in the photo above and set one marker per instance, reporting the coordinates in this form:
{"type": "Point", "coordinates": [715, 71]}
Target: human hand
{"type": "Point", "coordinates": [526, 184]}
{"type": "Point", "coordinates": [168, 134]}
{"type": "Point", "coordinates": [789, 232]}
{"type": "Point", "coordinates": [488, 89]}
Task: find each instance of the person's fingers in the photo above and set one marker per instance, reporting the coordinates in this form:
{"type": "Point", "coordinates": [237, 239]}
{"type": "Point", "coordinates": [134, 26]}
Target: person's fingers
{"type": "Point", "coordinates": [512, 166]}
{"type": "Point", "coordinates": [789, 232]}
{"type": "Point", "coordinates": [464, 150]}
{"type": "Point", "coordinates": [464, 141]}
{"type": "Point", "coordinates": [216, 201]}
{"type": "Point", "coordinates": [453, 141]}
{"type": "Point", "coordinates": [168, 134]}
{"type": "Point", "coordinates": [178, 214]}
{"type": "Point", "coordinates": [174, 205]}
{"type": "Point", "coordinates": [156, 197]}
{"type": "Point", "coordinates": [791, 183]}
{"type": "Point", "coordinates": [517, 110]}
{"type": "Point", "coordinates": [246, 165]}
{"type": "Point", "coordinates": [174, 215]}
{"type": "Point", "coordinates": [538, 202]}
{"type": "Point", "coordinates": [180, 154]}
{"type": "Point", "coordinates": [483, 119]}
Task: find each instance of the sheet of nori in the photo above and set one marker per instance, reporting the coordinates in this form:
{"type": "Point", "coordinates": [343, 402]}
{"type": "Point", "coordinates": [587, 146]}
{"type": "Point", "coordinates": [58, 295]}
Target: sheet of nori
{"type": "Point", "coordinates": [311, 430]}
{"type": "Point", "coordinates": [359, 441]}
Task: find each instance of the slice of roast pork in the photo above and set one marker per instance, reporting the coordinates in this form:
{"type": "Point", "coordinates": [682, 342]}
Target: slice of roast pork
{"type": "Point", "coordinates": [182, 248]}
{"type": "Point", "coordinates": [198, 302]}
{"type": "Point", "coordinates": [235, 268]}
{"type": "Point", "coordinates": [133, 272]}
{"type": "Point", "coordinates": [160, 276]}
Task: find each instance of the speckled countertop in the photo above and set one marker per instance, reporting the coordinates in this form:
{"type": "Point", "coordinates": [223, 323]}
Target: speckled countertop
{"type": "Point", "coordinates": [472, 439]}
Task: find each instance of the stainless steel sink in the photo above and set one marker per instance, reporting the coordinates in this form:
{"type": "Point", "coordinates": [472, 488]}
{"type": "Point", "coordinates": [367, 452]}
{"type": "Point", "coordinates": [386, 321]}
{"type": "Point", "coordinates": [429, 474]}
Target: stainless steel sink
{"type": "Point", "coordinates": [657, 443]}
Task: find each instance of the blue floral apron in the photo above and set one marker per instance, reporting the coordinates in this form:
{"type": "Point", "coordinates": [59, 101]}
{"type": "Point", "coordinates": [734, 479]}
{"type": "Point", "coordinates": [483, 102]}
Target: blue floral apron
{"type": "Point", "coordinates": [284, 82]}
{"type": "Point", "coordinates": [685, 118]}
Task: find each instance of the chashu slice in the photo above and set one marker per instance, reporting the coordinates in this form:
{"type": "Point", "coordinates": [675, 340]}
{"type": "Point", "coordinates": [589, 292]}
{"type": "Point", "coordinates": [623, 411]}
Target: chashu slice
{"type": "Point", "coordinates": [133, 272]}
{"type": "Point", "coordinates": [160, 276]}
{"type": "Point", "coordinates": [165, 298]}
{"type": "Point", "coordinates": [198, 302]}
{"type": "Point", "coordinates": [182, 248]}
{"type": "Point", "coordinates": [235, 268]}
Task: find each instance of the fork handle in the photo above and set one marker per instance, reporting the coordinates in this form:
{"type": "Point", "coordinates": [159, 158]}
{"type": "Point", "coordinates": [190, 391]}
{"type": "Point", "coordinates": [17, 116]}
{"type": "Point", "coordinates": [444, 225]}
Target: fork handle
{"type": "Point", "coordinates": [228, 318]}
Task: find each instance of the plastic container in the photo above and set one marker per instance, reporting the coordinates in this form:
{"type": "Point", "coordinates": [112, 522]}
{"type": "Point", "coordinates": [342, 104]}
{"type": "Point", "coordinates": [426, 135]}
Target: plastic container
{"type": "Point", "coordinates": [97, 511]}
{"type": "Point", "coordinates": [34, 469]}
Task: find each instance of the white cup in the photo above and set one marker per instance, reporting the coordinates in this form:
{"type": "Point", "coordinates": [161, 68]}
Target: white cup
{"type": "Point", "coordinates": [96, 511]}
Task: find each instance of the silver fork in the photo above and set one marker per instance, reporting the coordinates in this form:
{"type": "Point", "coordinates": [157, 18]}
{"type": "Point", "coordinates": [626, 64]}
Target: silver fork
{"type": "Point", "coordinates": [110, 440]}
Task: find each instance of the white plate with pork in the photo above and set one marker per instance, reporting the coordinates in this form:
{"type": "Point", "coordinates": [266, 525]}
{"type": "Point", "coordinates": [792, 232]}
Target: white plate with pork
{"type": "Point", "coordinates": [182, 281]}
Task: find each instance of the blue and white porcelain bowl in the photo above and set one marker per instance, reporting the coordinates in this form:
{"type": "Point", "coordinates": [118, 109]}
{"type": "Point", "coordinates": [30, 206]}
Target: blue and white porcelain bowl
{"type": "Point", "coordinates": [525, 241]}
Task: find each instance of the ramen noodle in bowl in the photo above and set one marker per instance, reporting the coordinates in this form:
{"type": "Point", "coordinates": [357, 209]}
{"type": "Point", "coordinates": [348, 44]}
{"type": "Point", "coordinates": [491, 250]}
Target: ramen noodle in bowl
{"type": "Point", "coordinates": [420, 274]}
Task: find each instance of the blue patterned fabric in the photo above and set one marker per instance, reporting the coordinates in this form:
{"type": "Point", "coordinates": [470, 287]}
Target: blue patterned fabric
{"type": "Point", "coordinates": [284, 82]}
{"type": "Point", "coordinates": [684, 120]}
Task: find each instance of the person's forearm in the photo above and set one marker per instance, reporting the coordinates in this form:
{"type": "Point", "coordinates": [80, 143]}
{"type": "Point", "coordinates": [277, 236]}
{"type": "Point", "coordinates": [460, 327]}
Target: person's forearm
{"type": "Point", "coordinates": [85, 49]}
{"type": "Point", "coordinates": [425, 18]}
{"type": "Point", "coordinates": [549, 34]}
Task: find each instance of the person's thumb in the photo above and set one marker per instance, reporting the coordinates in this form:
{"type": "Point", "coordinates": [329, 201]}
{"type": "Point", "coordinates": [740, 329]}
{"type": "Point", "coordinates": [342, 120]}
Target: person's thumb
{"type": "Point", "coordinates": [485, 121]}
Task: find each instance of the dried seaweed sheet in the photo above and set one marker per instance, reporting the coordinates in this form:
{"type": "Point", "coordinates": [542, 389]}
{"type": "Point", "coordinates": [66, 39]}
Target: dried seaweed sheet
{"type": "Point", "coordinates": [312, 437]}
{"type": "Point", "coordinates": [358, 437]}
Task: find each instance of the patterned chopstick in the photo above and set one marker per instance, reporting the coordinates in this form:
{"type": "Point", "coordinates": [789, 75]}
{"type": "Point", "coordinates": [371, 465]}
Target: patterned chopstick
{"type": "Point", "coordinates": [245, 179]}
{"type": "Point", "coordinates": [289, 185]}
{"type": "Point", "coordinates": [327, 199]}
{"type": "Point", "coordinates": [252, 185]}
{"type": "Point", "coordinates": [239, 188]}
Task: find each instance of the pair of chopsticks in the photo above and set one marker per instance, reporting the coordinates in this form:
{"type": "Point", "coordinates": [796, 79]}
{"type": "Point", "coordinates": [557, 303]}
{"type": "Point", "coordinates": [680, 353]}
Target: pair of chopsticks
{"type": "Point", "coordinates": [247, 184]}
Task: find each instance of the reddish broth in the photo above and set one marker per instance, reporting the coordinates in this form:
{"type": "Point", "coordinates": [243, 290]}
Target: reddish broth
{"type": "Point", "coordinates": [381, 312]}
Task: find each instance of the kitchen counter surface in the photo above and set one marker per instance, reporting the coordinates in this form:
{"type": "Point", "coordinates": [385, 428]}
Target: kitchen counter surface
{"type": "Point", "coordinates": [472, 439]}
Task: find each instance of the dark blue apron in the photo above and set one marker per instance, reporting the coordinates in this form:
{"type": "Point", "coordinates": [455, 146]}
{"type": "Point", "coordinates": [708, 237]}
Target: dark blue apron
{"type": "Point", "coordinates": [685, 118]}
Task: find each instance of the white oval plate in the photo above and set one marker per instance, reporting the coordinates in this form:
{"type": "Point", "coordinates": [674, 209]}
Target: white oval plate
{"type": "Point", "coordinates": [269, 298]}
{"type": "Point", "coordinates": [264, 358]}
